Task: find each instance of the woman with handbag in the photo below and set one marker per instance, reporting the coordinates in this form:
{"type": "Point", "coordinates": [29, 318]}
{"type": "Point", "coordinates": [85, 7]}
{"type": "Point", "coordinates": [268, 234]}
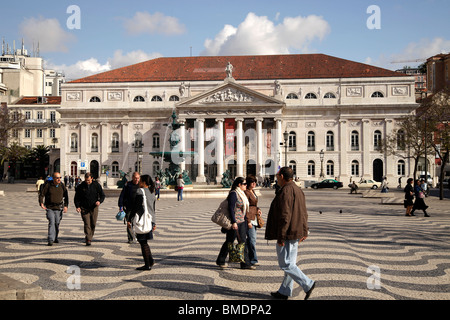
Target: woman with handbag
{"type": "Point", "coordinates": [144, 204]}
{"type": "Point", "coordinates": [420, 200]}
{"type": "Point", "coordinates": [238, 207]}
{"type": "Point", "coordinates": [253, 219]}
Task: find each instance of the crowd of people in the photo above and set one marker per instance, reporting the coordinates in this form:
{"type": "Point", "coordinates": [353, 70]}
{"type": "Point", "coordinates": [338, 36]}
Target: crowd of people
{"type": "Point", "coordinates": [286, 219]}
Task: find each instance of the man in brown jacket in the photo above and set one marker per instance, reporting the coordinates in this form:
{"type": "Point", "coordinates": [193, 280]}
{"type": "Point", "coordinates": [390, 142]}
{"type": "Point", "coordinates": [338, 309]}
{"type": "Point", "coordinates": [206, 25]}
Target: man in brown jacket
{"type": "Point", "coordinates": [287, 222]}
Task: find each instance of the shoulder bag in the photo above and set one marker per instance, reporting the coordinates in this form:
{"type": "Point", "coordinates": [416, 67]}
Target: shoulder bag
{"type": "Point", "coordinates": [143, 224]}
{"type": "Point", "coordinates": [222, 215]}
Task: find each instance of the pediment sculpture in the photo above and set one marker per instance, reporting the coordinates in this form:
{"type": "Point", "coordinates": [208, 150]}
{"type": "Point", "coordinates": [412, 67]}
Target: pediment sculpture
{"type": "Point", "coordinates": [228, 95]}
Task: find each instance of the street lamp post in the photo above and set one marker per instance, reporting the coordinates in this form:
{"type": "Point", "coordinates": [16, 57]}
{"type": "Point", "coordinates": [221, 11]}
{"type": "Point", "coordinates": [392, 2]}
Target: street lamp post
{"type": "Point", "coordinates": [286, 138]}
{"type": "Point", "coordinates": [321, 154]}
{"type": "Point", "coordinates": [138, 145]}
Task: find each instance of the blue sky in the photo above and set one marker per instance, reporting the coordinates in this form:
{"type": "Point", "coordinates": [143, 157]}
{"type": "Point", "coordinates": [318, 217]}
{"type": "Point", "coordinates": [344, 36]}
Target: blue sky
{"type": "Point", "coordinates": [118, 33]}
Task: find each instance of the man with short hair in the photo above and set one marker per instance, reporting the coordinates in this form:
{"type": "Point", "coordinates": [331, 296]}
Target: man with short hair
{"type": "Point", "coordinates": [54, 199]}
{"type": "Point", "coordinates": [88, 197]}
{"type": "Point", "coordinates": [126, 200]}
{"type": "Point", "coordinates": [287, 222]}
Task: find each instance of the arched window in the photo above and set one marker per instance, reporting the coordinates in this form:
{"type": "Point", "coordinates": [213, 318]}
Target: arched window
{"type": "Point", "coordinates": [115, 170]}
{"type": "Point", "coordinates": [330, 168]}
{"type": "Point", "coordinates": [355, 168]}
{"type": "Point", "coordinates": [355, 141]}
{"type": "Point", "coordinates": [293, 166]}
{"type": "Point", "coordinates": [311, 168]}
{"type": "Point", "coordinates": [73, 142]}
{"type": "Point", "coordinates": [310, 95]}
{"type": "Point", "coordinates": [330, 141]}
{"type": "Point", "coordinates": [377, 138]}
{"type": "Point", "coordinates": [377, 94]}
{"type": "Point", "coordinates": [73, 169]}
{"type": "Point", "coordinates": [94, 142]}
{"type": "Point", "coordinates": [292, 142]}
{"type": "Point", "coordinates": [401, 168]}
{"type": "Point", "coordinates": [95, 99]}
{"type": "Point", "coordinates": [311, 141]}
{"type": "Point", "coordinates": [174, 98]}
{"type": "Point", "coordinates": [157, 99]}
{"type": "Point", "coordinates": [115, 143]}
{"type": "Point", "coordinates": [329, 95]}
{"type": "Point", "coordinates": [156, 142]}
{"type": "Point", "coordinates": [291, 96]}
{"type": "Point", "coordinates": [139, 99]}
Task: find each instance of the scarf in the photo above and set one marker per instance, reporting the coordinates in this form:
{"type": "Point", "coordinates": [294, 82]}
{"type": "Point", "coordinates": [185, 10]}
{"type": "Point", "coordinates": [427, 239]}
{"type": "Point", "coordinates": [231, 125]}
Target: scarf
{"type": "Point", "coordinates": [244, 199]}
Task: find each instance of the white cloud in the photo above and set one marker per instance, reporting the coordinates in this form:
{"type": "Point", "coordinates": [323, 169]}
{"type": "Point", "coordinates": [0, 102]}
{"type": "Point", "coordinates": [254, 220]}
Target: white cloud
{"type": "Point", "coordinates": [157, 23]}
{"type": "Point", "coordinates": [259, 35]}
{"type": "Point", "coordinates": [85, 68]}
{"type": "Point", "coordinates": [414, 54]}
{"type": "Point", "coordinates": [48, 32]}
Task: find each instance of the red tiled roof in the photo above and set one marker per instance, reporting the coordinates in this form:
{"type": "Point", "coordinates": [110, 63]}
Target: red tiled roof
{"type": "Point", "coordinates": [34, 100]}
{"type": "Point", "coordinates": [207, 68]}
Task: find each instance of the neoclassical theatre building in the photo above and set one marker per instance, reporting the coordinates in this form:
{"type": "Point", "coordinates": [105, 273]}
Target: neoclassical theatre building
{"type": "Point", "coordinates": [321, 115]}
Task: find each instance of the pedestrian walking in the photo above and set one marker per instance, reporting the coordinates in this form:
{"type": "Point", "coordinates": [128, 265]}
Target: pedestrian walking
{"type": "Point", "coordinates": [252, 219]}
{"type": "Point", "coordinates": [40, 182]}
{"type": "Point", "coordinates": [287, 222]}
{"type": "Point", "coordinates": [157, 188]}
{"type": "Point", "coordinates": [126, 200]}
{"type": "Point", "coordinates": [238, 206]}
{"type": "Point", "coordinates": [419, 203]}
{"type": "Point", "coordinates": [353, 187]}
{"type": "Point", "coordinates": [384, 186]}
{"type": "Point", "coordinates": [409, 197]}
{"type": "Point", "coordinates": [88, 197]}
{"type": "Point", "coordinates": [145, 199]}
{"type": "Point", "coordinates": [180, 187]}
{"type": "Point", "coordinates": [54, 198]}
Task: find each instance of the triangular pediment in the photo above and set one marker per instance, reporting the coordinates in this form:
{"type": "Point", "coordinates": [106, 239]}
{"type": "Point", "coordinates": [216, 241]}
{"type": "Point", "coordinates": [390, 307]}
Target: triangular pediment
{"type": "Point", "coordinates": [230, 94]}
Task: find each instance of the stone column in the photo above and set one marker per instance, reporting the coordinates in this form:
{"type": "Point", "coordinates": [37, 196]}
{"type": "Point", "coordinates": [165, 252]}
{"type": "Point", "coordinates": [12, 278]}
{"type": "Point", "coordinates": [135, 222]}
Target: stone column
{"type": "Point", "coordinates": [125, 147]}
{"type": "Point", "coordinates": [220, 150]}
{"type": "Point", "coordinates": [278, 141]}
{"type": "Point", "coordinates": [182, 143]}
{"type": "Point", "coordinates": [343, 148]}
{"type": "Point", "coordinates": [259, 148]}
{"type": "Point", "coordinates": [389, 167]}
{"type": "Point", "coordinates": [83, 144]}
{"type": "Point", "coordinates": [240, 147]}
{"type": "Point", "coordinates": [105, 141]}
{"type": "Point", "coordinates": [201, 150]}
{"type": "Point", "coordinates": [63, 149]}
{"type": "Point", "coordinates": [366, 142]}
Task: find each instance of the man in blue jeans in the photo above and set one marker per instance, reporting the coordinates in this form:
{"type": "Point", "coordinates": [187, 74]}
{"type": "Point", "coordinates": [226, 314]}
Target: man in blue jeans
{"type": "Point", "coordinates": [287, 222]}
{"type": "Point", "coordinates": [54, 199]}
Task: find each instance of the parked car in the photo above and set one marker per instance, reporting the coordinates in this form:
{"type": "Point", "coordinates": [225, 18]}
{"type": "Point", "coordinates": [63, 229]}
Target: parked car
{"type": "Point", "coordinates": [368, 184]}
{"type": "Point", "coordinates": [327, 183]}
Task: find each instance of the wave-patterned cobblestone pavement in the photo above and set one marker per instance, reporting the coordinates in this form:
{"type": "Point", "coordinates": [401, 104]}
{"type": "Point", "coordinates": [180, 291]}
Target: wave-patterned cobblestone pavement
{"type": "Point", "coordinates": [367, 251]}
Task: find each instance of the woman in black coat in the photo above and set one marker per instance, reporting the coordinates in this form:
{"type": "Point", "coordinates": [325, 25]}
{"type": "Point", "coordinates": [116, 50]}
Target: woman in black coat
{"type": "Point", "coordinates": [409, 197]}
{"type": "Point", "coordinates": [420, 200]}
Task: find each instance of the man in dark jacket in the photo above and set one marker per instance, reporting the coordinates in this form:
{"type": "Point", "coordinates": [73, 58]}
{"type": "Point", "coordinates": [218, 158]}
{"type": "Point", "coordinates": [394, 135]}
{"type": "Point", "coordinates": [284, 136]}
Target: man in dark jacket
{"type": "Point", "coordinates": [287, 222]}
{"type": "Point", "coordinates": [53, 198]}
{"type": "Point", "coordinates": [88, 197]}
{"type": "Point", "coordinates": [126, 200]}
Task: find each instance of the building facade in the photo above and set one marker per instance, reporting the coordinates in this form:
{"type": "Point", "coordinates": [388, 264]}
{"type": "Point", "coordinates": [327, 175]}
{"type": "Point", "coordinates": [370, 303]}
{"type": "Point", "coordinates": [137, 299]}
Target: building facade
{"type": "Point", "coordinates": [321, 115]}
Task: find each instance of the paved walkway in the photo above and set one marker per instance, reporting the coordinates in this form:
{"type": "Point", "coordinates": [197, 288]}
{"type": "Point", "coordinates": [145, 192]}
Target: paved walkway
{"type": "Point", "coordinates": [367, 251]}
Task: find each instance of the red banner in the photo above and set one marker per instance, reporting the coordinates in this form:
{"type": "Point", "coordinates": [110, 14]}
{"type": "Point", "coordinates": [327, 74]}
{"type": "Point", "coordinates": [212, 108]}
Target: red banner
{"type": "Point", "coordinates": [230, 125]}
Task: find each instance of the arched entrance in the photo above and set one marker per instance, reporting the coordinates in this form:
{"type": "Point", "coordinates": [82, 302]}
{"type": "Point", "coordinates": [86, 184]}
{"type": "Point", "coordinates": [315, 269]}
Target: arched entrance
{"type": "Point", "coordinates": [251, 167]}
{"type": "Point", "coordinates": [94, 169]}
{"type": "Point", "coordinates": [378, 170]}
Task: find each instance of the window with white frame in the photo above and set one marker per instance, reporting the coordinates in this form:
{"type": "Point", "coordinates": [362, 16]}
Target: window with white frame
{"type": "Point", "coordinates": [355, 141]}
{"type": "Point", "coordinates": [293, 166]}
{"type": "Point", "coordinates": [115, 142]}
{"type": "Point", "coordinates": [94, 142]}
{"type": "Point", "coordinates": [38, 133]}
{"type": "Point", "coordinates": [330, 141]}
{"type": "Point", "coordinates": [401, 168]}
{"type": "Point", "coordinates": [377, 139]}
{"type": "Point", "coordinates": [52, 133]}
{"type": "Point", "coordinates": [311, 168]}
{"type": "Point", "coordinates": [292, 141]}
{"type": "Point", "coordinates": [355, 168]}
{"type": "Point", "coordinates": [330, 168]}
{"type": "Point", "coordinates": [27, 133]}
{"type": "Point", "coordinates": [311, 141]}
{"type": "Point", "coordinates": [115, 170]}
{"type": "Point", "coordinates": [156, 142]}
{"type": "Point", "coordinates": [74, 142]}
